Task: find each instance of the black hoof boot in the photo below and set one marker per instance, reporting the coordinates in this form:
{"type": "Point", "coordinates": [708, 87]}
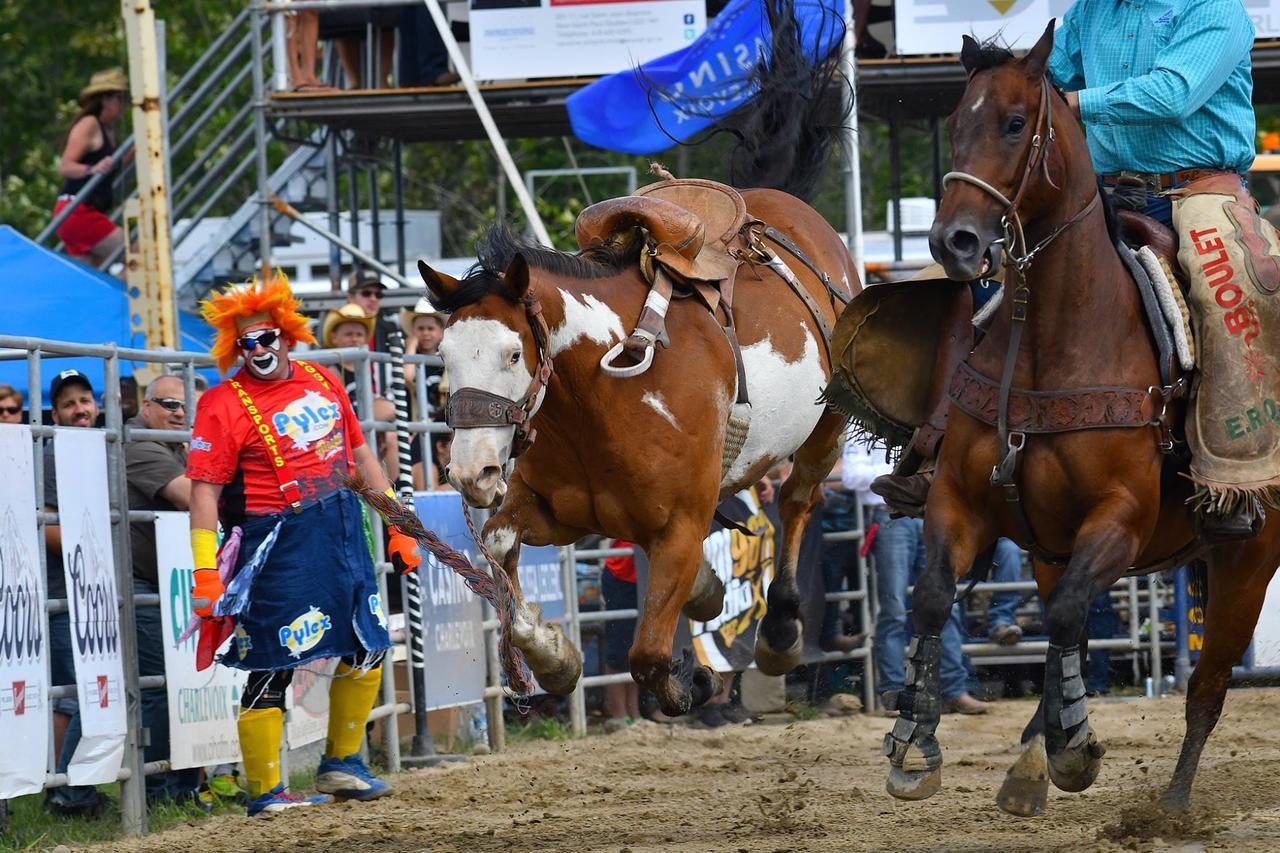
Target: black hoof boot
{"type": "Point", "coordinates": [915, 758]}
{"type": "Point", "coordinates": [1075, 756]}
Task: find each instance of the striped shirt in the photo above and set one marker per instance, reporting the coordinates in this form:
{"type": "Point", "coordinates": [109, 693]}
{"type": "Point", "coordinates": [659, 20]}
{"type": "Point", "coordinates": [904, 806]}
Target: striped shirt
{"type": "Point", "coordinates": [1164, 84]}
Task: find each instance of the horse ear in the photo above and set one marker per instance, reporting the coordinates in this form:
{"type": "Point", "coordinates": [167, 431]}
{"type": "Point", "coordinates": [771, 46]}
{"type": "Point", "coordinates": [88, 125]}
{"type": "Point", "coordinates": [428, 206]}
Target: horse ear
{"type": "Point", "coordinates": [1037, 59]}
{"type": "Point", "coordinates": [516, 279]}
{"type": "Point", "coordinates": [440, 286]}
{"type": "Point", "coordinates": [969, 53]}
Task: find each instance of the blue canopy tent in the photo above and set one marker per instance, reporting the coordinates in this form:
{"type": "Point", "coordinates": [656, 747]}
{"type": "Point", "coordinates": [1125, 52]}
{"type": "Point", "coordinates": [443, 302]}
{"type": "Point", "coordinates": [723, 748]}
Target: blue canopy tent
{"type": "Point", "coordinates": [54, 297]}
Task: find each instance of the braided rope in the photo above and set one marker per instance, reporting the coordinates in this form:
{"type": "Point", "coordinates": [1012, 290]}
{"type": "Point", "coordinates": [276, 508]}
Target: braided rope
{"type": "Point", "coordinates": [477, 580]}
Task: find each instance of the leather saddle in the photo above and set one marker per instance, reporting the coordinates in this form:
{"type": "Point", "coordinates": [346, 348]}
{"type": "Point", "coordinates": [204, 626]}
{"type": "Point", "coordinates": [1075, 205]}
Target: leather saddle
{"type": "Point", "coordinates": [1138, 230]}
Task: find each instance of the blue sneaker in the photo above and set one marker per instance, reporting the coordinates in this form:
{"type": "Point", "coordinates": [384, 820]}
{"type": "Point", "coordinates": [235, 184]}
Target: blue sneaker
{"type": "Point", "coordinates": [349, 779]}
{"type": "Point", "coordinates": [278, 799]}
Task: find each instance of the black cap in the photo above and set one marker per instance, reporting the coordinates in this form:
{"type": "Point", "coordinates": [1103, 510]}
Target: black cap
{"type": "Point", "coordinates": [365, 278]}
{"type": "Point", "coordinates": [65, 378]}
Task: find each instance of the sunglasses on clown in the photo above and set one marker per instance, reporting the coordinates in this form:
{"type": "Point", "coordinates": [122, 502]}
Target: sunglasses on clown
{"type": "Point", "coordinates": [251, 341]}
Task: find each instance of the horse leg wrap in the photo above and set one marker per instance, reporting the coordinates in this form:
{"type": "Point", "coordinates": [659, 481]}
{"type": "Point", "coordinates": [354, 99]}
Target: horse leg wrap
{"type": "Point", "coordinates": [1075, 756]}
{"type": "Point", "coordinates": [919, 707]}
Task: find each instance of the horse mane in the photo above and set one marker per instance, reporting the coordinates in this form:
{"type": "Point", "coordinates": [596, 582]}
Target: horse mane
{"type": "Point", "coordinates": [499, 245]}
{"type": "Point", "coordinates": [992, 53]}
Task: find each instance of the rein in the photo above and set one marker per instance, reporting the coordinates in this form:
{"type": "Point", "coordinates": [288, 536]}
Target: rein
{"type": "Point", "coordinates": [472, 407]}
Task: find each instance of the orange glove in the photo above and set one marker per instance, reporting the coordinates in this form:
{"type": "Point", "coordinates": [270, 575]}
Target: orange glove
{"type": "Point", "coordinates": [207, 591]}
{"type": "Point", "coordinates": [403, 551]}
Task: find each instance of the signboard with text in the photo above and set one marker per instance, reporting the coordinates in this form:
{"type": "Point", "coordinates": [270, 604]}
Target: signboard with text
{"type": "Point", "coordinates": [522, 39]}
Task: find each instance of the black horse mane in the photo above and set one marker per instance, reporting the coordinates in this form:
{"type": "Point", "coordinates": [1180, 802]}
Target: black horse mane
{"type": "Point", "coordinates": [992, 53]}
{"type": "Point", "coordinates": [499, 245]}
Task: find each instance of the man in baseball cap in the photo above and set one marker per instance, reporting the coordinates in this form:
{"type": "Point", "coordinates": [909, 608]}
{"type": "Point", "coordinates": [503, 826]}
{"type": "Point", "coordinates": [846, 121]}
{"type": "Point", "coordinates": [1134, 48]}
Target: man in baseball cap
{"type": "Point", "coordinates": [71, 396]}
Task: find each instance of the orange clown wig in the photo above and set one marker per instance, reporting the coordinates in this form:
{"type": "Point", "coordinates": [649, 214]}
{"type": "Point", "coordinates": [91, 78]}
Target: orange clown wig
{"type": "Point", "coordinates": [238, 307]}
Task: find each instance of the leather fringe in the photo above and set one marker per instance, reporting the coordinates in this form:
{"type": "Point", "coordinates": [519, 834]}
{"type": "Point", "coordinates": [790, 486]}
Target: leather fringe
{"type": "Point", "coordinates": [839, 397]}
{"type": "Point", "coordinates": [1228, 500]}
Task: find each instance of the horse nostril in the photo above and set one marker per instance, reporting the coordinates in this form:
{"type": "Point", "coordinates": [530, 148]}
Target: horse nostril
{"type": "Point", "coordinates": [489, 476]}
{"type": "Point", "coordinates": [963, 243]}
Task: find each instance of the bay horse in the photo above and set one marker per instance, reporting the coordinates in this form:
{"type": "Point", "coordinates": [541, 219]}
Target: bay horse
{"type": "Point", "coordinates": [1106, 496]}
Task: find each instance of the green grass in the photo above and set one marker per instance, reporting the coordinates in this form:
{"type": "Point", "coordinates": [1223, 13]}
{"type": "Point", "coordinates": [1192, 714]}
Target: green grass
{"type": "Point", "coordinates": [547, 728]}
{"type": "Point", "coordinates": [802, 710]}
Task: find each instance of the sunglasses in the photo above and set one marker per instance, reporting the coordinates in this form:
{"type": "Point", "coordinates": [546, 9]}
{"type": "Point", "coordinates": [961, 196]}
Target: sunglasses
{"type": "Point", "coordinates": [10, 410]}
{"type": "Point", "coordinates": [168, 403]}
{"type": "Point", "coordinates": [373, 292]}
{"type": "Point", "coordinates": [251, 341]}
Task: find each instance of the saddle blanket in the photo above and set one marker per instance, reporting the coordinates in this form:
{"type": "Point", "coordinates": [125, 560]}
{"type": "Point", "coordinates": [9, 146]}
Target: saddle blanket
{"type": "Point", "coordinates": [1231, 256]}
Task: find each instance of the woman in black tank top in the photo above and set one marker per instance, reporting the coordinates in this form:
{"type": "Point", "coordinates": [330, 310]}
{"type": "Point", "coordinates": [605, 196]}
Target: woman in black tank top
{"type": "Point", "coordinates": [89, 151]}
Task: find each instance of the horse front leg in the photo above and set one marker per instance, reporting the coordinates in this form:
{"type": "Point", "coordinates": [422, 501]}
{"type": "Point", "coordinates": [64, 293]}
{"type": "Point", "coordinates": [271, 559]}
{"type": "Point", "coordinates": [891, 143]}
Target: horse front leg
{"type": "Point", "coordinates": [1105, 547]}
{"type": "Point", "coordinates": [915, 758]}
{"type": "Point", "coordinates": [1025, 791]}
{"type": "Point", "coordinates": [674, 559]}
{"type": "Point", "coordinates": [556, 662]}
{"type": "Point", "coordinates": [1237, 588]}
{"type": "Point", "coordinates": [780, 638]}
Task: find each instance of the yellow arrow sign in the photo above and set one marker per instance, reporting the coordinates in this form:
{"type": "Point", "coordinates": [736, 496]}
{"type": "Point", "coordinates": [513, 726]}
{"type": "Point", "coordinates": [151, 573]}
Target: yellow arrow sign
{"type": "Point", "coordinates": [1002, 6]}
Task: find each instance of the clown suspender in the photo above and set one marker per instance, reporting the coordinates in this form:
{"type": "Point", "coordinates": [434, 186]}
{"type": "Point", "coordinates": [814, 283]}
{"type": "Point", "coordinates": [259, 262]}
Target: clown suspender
{"type": "Point", "coordinates": [284, 474]}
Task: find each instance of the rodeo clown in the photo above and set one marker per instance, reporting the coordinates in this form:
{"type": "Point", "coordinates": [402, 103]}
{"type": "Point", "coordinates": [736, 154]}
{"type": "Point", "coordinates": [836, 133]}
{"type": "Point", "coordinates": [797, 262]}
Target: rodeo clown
{"type": "Point", "coordinates": [269, 448]}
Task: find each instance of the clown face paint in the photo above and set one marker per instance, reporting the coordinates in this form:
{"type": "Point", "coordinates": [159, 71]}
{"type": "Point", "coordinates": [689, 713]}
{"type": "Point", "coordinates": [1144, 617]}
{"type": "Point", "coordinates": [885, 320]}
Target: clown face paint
{"type": "Point", "coordinates": [265, 361]}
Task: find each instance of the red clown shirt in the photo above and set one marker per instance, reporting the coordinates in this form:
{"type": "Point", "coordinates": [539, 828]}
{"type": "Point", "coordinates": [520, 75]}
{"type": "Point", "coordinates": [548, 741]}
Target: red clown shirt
{"type": "Point", "coordinates": [307, 417]}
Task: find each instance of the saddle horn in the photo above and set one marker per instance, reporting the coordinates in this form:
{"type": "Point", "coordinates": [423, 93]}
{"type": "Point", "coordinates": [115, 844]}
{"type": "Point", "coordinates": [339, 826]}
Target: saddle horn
{"type": "Point", "coordinates": [669, 225]}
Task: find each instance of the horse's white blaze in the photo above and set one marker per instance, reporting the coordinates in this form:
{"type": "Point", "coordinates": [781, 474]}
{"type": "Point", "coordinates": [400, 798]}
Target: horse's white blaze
{"type": "Point", "coordinates": [977, 105]}
{"type": "Point", "coordinates": [654, 400]}
{"type": "Point", "coordinates": [585, 317]}
{"type": "Point", "coordinates": [784, 403]}
{"type": "Point", "coordinates": [478, 353]}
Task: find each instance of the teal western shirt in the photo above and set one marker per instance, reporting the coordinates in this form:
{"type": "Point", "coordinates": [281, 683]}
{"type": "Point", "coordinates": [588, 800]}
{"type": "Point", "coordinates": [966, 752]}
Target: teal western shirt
{"type": "Point", "coordinates": [1163, 84]}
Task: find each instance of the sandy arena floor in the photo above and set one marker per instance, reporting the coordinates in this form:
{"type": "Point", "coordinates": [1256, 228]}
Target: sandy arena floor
{"type": "Point", "coordinates": [815, 785]}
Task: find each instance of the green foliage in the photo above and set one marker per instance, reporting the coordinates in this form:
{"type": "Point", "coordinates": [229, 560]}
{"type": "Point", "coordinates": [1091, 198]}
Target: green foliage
{"type": "Point", "coordinates": [545, 728]}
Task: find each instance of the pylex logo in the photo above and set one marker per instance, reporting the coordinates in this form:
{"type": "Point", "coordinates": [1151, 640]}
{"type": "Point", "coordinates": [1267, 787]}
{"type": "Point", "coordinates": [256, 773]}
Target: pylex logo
{"type": "Point", "coordinates": [375, 607]}
{"type": "Point", "coordinates": [307, 419]}
{"type": "Point", "coordinates": [199, 443]}
{"type": "Point", "coordinates": [91, 591]}
{"type": "Point", "coordinates": [21, 599]}
{"type": "Point", "coordinates": [305, 632]}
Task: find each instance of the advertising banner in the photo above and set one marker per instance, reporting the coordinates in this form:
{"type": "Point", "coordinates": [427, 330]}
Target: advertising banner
{"type": "Point", "coordinates": [203, 706]}
{"type": "Point", "coordinates": [307, 702]}
{"type": "Point", "coordinates": [89, 565]}
{"type": "Point", "coordinates": [1266, 637]}
{"type": "Point", "coordinates": [24, 707]}
{"type": "Point", "coordinates": [521, 39]}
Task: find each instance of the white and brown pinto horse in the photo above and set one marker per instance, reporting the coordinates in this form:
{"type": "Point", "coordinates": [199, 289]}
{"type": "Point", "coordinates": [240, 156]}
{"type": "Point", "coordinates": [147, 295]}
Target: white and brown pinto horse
{"type": "Point", "coordinates": [640, 458]}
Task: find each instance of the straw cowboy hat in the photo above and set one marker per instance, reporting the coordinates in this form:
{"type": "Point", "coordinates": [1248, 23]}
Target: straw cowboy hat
{"type": "Point", "coordinates": [349, 313]}
{"type": "Point", "coordinates": [110, 80]}
{"type": "Point", "coordinates": [423, 308]}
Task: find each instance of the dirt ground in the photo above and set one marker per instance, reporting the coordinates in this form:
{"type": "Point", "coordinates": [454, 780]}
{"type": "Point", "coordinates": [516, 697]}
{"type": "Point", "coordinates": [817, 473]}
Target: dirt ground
{"type": "Point", "coordinates": [815, 785]}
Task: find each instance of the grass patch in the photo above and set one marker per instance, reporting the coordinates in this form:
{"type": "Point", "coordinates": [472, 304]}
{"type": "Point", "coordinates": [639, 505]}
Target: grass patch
{"type": "Point", "coordinates": [547, 728]}
{"type": "Point", "coordinates": [802, 710]}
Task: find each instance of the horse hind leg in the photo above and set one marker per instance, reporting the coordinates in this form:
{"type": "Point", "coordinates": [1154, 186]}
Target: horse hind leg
{"type": "Point", "coordinates": [673, 567]}
{"type": "Point", "coordinates": [1235, 599]}
{"type": "Point", "coordinates": [706, 601]}
{"type": "Point", "coordinates": [780, 638]}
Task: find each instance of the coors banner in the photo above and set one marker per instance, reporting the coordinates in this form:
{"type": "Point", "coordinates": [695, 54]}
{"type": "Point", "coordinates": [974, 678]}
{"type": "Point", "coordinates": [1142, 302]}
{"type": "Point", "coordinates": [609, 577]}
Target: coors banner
{"type": "Point", "coordinates": [92, 598]}
{"type": "Point", "coordinates": [24, 710]}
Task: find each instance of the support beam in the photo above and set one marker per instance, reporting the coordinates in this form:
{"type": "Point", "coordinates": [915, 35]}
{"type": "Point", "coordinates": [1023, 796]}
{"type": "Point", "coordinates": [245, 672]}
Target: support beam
{"type": "Point", "coordinates": [853, 162]}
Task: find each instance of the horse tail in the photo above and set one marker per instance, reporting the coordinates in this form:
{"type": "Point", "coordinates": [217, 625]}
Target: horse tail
{"type": "Point", "coordinates": [787, 131]}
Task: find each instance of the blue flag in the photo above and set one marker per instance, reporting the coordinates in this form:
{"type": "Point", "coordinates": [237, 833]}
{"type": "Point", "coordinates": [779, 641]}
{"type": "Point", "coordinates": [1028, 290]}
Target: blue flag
{"type": "Point", "coordinates": [639, 111]}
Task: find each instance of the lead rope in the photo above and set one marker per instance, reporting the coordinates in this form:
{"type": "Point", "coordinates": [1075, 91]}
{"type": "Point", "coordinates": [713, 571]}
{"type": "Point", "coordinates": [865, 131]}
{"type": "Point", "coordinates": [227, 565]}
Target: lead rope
{"type": "Point", "coordinates": [504, 602]}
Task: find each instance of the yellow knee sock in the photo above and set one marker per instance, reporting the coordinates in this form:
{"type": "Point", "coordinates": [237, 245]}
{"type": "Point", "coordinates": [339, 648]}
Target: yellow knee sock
{"type": "Point", "coordinates": [351, 698]}
{"type": "Point", "coordinates": [260, 732]}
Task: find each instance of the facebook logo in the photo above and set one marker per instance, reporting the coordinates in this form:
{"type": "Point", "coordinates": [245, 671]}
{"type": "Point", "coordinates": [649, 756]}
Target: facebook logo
{"type": "Point", "coordinates": [688, 19]}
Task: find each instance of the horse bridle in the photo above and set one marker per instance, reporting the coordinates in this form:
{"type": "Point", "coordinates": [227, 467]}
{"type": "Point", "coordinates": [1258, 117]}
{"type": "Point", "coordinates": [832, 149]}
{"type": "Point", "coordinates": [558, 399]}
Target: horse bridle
{"type": "Point", "coordinates": [473, 407]}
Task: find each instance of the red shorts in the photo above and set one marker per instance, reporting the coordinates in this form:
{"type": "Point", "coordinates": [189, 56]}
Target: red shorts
{"type": "Point", "coordinates": [85, 228]}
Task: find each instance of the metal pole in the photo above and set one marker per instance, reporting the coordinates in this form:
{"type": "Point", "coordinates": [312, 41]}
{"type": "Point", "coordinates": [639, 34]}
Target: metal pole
{"type": "Point", "coordinates": [486, 119]}
{"type": "Point", "coordinates": [569, 580]}
{"type": "Point", "coordinates": [853, 164]}
{"type": "Point", "coordinates": [279, 59]}
{"type": "Point", "coordinates": [133, 791]}
{"type": "Point", "coordinates": [260, 143]}
{"type": "Point", "coordinates": [1181, 618]}
{"type": "Point", "coordinates": [895, 181]}
{"type": "Point", "coordinates": [493, 679]}
{"type": "Point", "coordinates": [398, 148]}
{"type": "Point", "coordinates": [1153, 611]}
{"type": "Point", "coordinates": [288, 210]}
{"type": "Point", "coordinates": [935, 127]}
{"type": "Point", "coordinates": [864, 608]}
{"type": "Point", "coordinates": [375, 214]}
{"type": "Point", "coordinates": [331, 205]}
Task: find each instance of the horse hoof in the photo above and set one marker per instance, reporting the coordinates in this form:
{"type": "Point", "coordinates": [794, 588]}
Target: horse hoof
{"type": "Point", "coordinates": [1075, 768]}
{"type": "Point", "coordinates": [1175, 802]}
{"type": "Point", "coordinates": [772, 662]}
{"type": "Point", "coordinates": [913, 784]}
{"type": "Point", "coordinates": [706, 602]}
{"type": "Point", "coordinates": [1026, 786]}
{"type": "Point", "coordinates": [561, 678]}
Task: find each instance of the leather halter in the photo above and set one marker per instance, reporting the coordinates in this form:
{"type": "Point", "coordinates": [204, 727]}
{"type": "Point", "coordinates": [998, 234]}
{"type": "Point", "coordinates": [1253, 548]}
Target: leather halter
{"type": "Point", "coordinates": [469, 408]}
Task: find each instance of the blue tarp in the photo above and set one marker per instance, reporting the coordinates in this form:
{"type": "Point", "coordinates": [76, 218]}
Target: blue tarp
{"type": "Point", "coordinates": [695, 86]}
{"type": "Point", "coordinates": [51, 296]}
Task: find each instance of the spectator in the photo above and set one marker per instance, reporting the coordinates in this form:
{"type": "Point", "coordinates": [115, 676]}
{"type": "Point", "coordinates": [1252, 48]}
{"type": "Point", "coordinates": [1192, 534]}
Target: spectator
{"type": "Point", "coordinates": [10, 405]}
{"type": "Point", "coordinates": [618, 588]}
{"type": "Point", "coordinates": [156, 475]}
{"type": "Point", "coordinates": [423, 58]}
{"type": "Point", "coordinates": [348, 29]}
{"type": "Point", "coordinates": [384, 411]}
{"type": "Point", "coordinates": [89, 151]}
{"type": "Point", "coordinates": [348, 327]}
{"type": "Point", "coordinates": [441, 445]}
{"type": "Point", "coordinates": [897, 545]}
{"type": "Point", "coordinates": [128, 397]}
{"type": "Point", "coordinates": [423, 329]}
{"type": "Point", "coordinates": [839, 559]}
{"type": "Point", "coordinates": [365, 288]}
{"type": "Point", "coordinates": [71, 395]}
{"type": "Point", "coordinates": [1006, 567]}
{"type": "Point", "coordinates": [303, 36]}
{"type": "Point", "coordinates": [1102, 623]}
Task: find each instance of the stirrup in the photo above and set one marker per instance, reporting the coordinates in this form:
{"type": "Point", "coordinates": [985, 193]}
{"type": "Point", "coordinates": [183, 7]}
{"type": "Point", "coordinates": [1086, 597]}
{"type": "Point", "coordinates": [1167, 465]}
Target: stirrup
{"type": "Point", "coordinates": [606, 363]}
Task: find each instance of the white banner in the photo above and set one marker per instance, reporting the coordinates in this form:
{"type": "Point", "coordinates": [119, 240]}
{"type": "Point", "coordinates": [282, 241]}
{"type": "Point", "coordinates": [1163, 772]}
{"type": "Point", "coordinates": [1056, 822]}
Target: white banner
{"type": "Point", "coordinates": [24, 707]}
{"type": "Point", "coordinates": [1266, 637]}
{"type": "Point", "coordinates": [81, 457]}
{"type": "Point", "coordinates": [520, 39]}
{"type": "Point", "coordinates": [307, 702]}
{"type": "Point", "coordinates": [922, 26]}
{"type": "Point", "coordinates": [203, 706]}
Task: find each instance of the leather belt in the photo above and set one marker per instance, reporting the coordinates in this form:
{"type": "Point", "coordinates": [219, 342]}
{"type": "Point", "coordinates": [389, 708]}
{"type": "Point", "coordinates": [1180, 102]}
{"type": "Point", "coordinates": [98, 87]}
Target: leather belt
{"type": "Point", "coordinates": [1156, 181]}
